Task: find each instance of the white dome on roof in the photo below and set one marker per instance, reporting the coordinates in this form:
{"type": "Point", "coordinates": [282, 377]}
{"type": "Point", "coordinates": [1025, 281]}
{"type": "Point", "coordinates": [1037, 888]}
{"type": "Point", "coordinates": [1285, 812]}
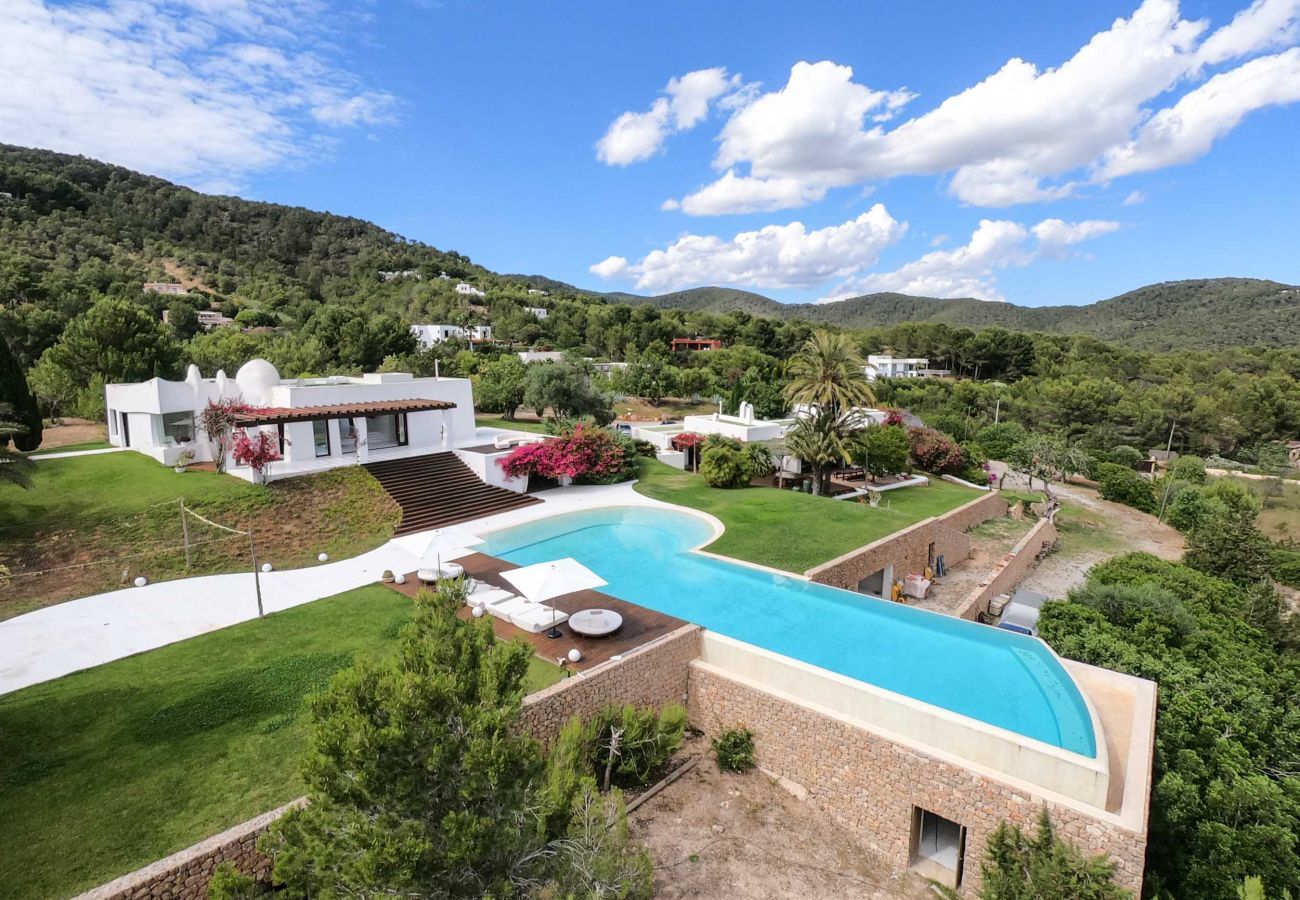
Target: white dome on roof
{"type": "Point", "coordinates": [255, 379]}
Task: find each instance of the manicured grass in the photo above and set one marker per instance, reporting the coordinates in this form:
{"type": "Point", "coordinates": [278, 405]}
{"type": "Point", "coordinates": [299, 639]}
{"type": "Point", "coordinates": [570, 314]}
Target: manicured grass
{"type": "Point", "coordinates": [120, 511]}
{"type": "Point", "coordinates": [793, 531]}
{"type": "Point", "coordinates": [515, 425]}
{"type": "Point", "coordinates": [109, 769]}
{"type": "Point", "coordinates": [69, 448]}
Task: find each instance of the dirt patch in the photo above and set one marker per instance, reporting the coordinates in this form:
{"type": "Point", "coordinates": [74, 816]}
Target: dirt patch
{"type": "Point", "coordinates": [1092, 530]}
{"type": "Point", "coordinates": [990, 541]}
{"type": "Point", "coordinates": [72, 431]}
{"type": "Point", "coordinates": [187, 281]}
{"type": "Point", "coordinates": [637, 409]}
{"type": "Point", "coordinates": [742, 837]}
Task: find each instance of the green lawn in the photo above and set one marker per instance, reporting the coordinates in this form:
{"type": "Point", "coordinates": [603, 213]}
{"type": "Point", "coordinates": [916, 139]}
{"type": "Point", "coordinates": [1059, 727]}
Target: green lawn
{"type": "Point", "coordinates": [793, 531]}
{"type": "Point", "coordinates": [518, 425]}
{"type": "Point", "coordinates": [107, 770]}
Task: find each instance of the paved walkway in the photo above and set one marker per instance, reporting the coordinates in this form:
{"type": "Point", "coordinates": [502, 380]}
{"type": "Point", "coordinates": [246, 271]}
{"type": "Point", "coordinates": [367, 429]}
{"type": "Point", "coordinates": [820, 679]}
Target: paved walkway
{"type": "Point", "coordinates": [38, 457]}
{"type": "Point", "coordinates": [78, 634]}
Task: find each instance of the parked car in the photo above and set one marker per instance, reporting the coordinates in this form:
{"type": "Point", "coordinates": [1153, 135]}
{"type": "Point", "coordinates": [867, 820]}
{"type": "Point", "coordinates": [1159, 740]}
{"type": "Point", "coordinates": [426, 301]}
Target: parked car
{"type": "Point", "coordinates": [1021, 614]}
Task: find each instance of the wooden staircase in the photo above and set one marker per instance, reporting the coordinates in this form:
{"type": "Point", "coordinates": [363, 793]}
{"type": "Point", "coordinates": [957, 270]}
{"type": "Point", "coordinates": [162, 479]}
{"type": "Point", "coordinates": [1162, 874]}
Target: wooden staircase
{"type": "Point", "coordinates": [438, 489]}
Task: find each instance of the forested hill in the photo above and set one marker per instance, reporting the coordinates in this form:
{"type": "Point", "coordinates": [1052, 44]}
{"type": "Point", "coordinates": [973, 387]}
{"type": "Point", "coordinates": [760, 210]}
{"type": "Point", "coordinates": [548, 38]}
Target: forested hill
{"type": "Point", "coordinates": [73, 229]}
{"type": "Point", "coordinates": [1214, 312]}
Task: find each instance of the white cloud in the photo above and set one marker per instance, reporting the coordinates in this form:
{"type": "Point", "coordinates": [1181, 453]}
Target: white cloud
{"type": "Point", "coordinates": [1135, 197]}
{"type": "Point", "coordinates": [939, 240]}
{"type": "Point", "coordinates": [635, 136]}
{"type": "Point", "coordinates": [971, 270]}
{"type": "Point", "coordinates": [206, 91]}
{"type": "Point", "coordinates": [777, 256]}
{"type": "Point", "coordinates": [1186, 130]}
{"type": "Point", "coordinates": [1024, 133]}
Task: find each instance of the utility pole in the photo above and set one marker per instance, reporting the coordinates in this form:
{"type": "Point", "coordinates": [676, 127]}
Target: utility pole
{"type": "Point", "coordinates": [1169, 448]}
{"type": "Point", "coordinates": [185, 533]}
{"type": "Point", "coordinates": [257, 577]}
{"type": "Point", "coordinates": [997, 411]}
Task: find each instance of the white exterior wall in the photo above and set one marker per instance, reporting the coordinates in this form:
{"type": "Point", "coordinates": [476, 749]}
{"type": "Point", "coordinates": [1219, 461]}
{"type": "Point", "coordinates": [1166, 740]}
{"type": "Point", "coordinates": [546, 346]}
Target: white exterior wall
{"type": "Point", "coordinates": [728, 426]}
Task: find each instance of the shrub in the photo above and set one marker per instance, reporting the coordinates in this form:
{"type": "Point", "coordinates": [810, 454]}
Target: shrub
{"type": "Point", "coordinates": [1016, 866]}
{"type": "Point", "coordinates": [644, 448]}
{"type": "Point", "coordinates": [884, 449]}
{"type": "Point", "coordinates": [997, 440]}
{"type": "Point", "coordinates": [1188, 468]}
{"type": "Point", "coordinates": [758, 460]}
{"type": "Point", "coordinates": [1124, 455]}
{"type": "Point", "coordinates": [934, 451]}
{"type": "Point", "coordinates": [228, 883]}
{"type": "Point", "coordinates": [734, 749]}
{"type": "Point", "coordinates": [723, 467]}
{"type": "Point", "coordinates": [587, 455]}
{"type": "Point", "coordinates": [645, 742]}
{"type": "Point", "coordinates": [1284, 566]}
{"type": "Point", "coordinates": [1186, 510]}
{"type": "Point", "coordinates": [1120, 484]}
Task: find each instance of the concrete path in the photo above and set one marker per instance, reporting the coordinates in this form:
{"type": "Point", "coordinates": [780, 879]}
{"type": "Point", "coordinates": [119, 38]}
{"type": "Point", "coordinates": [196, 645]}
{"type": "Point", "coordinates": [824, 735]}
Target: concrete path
{"type": "Point", "coordinates": [38, 456]}
{"type": "Point", "coordinates": [79, 634]}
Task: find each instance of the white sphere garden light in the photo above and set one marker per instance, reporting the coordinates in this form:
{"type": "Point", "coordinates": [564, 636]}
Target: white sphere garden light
{"type": "Point", "coordinates": [575, 655]}
{"type": "Point", "coordinates": [141, 581]}
{"type": "Point", "coordinates": [322, 557]}
{"type": "Point", "coordinates": [266, 567]}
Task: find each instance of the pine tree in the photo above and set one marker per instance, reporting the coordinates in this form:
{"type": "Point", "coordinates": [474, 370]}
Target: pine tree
{"type": "Point", "coordinates": [15, 395]}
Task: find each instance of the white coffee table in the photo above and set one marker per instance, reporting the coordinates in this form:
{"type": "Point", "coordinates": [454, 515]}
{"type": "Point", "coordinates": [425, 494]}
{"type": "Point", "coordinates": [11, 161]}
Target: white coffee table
{"type": "Point", "coordinates": [595, 622]}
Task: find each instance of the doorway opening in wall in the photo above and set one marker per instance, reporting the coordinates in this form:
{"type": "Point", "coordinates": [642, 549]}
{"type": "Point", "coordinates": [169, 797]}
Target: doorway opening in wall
{"type": "Point", "coordinates": [877, 584]}
{"type": "Point", "coordinates": [938, 847]}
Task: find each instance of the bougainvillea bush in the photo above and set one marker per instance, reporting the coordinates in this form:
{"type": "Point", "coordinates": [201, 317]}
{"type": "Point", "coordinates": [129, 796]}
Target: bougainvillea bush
{"type": "Point", "coordinates": [934, 451]}
{"type": "Point", "coordinates": [256, 452]}
{"type": "Point", "coordinates": [586, 455]}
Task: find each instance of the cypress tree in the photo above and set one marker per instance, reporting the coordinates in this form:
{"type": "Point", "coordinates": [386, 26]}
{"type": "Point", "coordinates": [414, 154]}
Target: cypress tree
{"type": "Point", "coordinates": [14, 393]}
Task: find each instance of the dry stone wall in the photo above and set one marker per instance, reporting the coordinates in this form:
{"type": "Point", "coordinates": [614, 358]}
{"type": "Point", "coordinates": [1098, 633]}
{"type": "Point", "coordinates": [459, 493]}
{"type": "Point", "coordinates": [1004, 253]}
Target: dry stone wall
{"type": "Point", "coordinates": [872, 785]}
{"type": "Point", "coordinates": [909, 550]}
{"type": "Point", "coordinates": [1011, 569]}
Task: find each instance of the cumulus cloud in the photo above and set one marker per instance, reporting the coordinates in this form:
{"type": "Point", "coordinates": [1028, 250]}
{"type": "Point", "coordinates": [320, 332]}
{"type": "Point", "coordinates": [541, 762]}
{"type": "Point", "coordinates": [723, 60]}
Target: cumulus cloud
{"type": "Point", "coordinates": [1024, 133]}
{"type": "Point", "coordinates": [777, 256]}
{"type": "Point", "coordinates": [971, 270]}
{"type": "Point", "coordinates": [635, 136]}
{"type": "Point", "coordinates": [205, 91]}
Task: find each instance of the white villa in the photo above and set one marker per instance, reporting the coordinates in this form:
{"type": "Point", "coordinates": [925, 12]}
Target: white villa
{"type": "Point", "coordinates": [537, 312]}
{"type": "Point", "coordinates": [428, 335]}
{"type": "Point", "coordinates": [318, 423]}
{"type": "Point", "coordinates": [464, 288]}
{"type": "Point", "coordinates": [885, 366]}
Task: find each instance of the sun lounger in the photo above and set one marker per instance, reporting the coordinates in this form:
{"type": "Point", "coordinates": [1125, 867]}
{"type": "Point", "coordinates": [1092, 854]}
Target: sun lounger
{"type": "Point", "coordinates": [537, 617]}
{"type": "Point", "coordinates": [485, 595]}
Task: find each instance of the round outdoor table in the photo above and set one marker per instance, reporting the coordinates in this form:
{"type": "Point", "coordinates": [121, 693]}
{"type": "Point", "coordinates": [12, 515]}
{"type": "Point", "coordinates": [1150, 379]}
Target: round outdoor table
{"type": "Point", "coordinates": [595, 622]}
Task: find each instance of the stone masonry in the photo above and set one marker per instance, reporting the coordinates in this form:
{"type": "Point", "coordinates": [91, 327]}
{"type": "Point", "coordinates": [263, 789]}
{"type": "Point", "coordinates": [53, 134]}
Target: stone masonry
{"type": "Point", "coordinates": [871, 785]}
{"type": "Point", "coordinates": [909, 550]}
{"type": "Point", "coordinates": [1011, 569]}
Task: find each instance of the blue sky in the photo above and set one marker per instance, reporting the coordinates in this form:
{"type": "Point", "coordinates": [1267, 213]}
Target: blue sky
{"type": "Point", "coordinates": [1050, 152]}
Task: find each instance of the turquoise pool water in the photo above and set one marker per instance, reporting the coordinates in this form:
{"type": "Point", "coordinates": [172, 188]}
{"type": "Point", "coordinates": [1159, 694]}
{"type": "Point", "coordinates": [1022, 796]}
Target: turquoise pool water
{"type": "Point", "coordinates": [997, 677]}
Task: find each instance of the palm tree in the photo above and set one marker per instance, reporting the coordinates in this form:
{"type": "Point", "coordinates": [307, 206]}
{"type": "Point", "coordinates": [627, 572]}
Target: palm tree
{"type": "Point", "coordinates": [819, 439]}
{"type": "Point", "coordinates": [827, 374]}
{"type": "Point", "coordinates": [14, 467]}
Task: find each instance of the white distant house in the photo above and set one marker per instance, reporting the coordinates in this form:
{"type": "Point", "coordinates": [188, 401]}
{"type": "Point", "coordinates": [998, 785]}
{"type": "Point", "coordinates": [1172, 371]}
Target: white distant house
{"type": "Point", "coordinates": [208, 319]}
{"type": "Point", "coordinates": [538, 292]}
{"type": "Point", "coordinates": [469, 289]}
{"type": "Point", "coordinates": [883, 366]}
{"type": "Point", "coordinates": [404, 273]}
{"type": "Point", "coordinates": [428, 335]}
{"type": "Point", "coordinates": [532, 356]}
{"type": "Point", "coordinates": [164, 287]}
{"type": "Point", "coordinates": [318, 423]}
{"type": "Point", "coordinates": [537, 312]}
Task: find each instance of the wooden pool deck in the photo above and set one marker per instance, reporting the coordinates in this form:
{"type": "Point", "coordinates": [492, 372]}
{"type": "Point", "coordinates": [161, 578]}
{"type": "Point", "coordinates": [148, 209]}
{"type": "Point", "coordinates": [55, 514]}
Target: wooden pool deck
{"type": "Point", "coordinates": [640, 625]}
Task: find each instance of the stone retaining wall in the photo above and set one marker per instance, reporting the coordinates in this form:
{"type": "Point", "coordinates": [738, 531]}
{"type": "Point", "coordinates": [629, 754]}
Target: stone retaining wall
{"type": "Point", "coordinates": [872, 785]}
{"type": "Point", "coordinates": [185, 875]}
{"type": "Point", "coordinates": [909, 550]}
{"type": "Point", "coordinates": [652, 675]}
{"type": "Point", "coordinates": [1010, 569]}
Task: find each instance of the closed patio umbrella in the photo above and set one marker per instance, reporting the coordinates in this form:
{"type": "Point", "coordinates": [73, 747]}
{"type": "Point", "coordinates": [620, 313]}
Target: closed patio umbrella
{"type": "Point", "coordinates": [544, 581]}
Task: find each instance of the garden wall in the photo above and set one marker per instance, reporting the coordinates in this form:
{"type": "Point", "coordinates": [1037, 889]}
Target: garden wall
{"type": "Point", "coordinates": [1010, 569]}
{"type": "Point", "coordinates": [652, 675]}
{"type": "Point", "coordinates": [908, 550]}
{"type": "Point", "coordinates": [871, 785]}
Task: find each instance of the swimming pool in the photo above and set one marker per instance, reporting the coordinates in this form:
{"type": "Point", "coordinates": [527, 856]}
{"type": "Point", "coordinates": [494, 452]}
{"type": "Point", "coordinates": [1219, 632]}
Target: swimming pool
{"type": "Point", "coordinates": [1007, 680]}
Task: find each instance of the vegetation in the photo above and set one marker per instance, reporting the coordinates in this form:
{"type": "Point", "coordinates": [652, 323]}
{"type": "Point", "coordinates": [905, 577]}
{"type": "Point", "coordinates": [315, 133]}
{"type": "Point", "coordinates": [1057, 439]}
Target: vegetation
{"type": "Point", "coordinates": [759, 521]}
{"type": "Point", "coordinates": [1226, 798]}
{"type": "Point", "coordinates": [623, 746]}
{"type": "Point", "coordinates": [584, 455]}
{"type": "Point", "coordinates": [15, 469]}
{"type": "Point", "coordinates": [121, 511]}
{"type": "Point", "coordinates": [421, 784]}
{"type": "Point", "coordinates": [1018, 867]}
{"type": "Point", "coordinates": [734, 749]}
{"type": "Point", "coordinates": [112, 768]}
{"type": "Point", "coordinates": [883, 450]}
{"type": "Point", "coordinates": [19, 406]}
{"type": "Point", "coordinates": [1120, 484]}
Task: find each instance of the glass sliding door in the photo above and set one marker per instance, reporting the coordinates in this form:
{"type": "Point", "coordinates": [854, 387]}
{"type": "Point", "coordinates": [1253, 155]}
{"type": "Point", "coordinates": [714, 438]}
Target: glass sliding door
{"type": "Point", "coordinates": [383, 432]}
{"type": "Point", "coordinates": [347, 436]}
{"type": "Point", "coordinates": [321, 431]}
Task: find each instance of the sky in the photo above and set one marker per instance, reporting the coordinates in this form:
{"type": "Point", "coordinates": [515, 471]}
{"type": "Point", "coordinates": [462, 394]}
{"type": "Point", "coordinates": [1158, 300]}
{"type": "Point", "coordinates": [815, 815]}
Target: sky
{"type": "Point", "coordinates": [1037, 153]}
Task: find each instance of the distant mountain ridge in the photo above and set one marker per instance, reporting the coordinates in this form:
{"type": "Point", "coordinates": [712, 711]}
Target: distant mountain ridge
{"type": "Point", "coordinates": [1207, 312]}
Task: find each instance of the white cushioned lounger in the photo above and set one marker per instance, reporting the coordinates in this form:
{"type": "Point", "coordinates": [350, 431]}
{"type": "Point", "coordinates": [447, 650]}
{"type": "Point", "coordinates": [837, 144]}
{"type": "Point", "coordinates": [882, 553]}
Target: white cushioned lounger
{"type": "Point", "coordinates": [538, 617]}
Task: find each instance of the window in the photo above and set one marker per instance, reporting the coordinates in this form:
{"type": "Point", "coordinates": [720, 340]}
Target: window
{"type": "Point", "coordinates": [386, 431]}
{"type": "Point", "coordinates": [177, 428]}
{"type": "Point", "coordinates": [321, 431]}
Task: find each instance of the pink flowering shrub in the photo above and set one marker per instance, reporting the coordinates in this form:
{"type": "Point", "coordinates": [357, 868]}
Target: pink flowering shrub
{"type": "Point", "coordinates": [584, 454]}
{"type": "Point", "coordinates": [933, 451]}
{"type": "Point", "coordinates": [255, 452]}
